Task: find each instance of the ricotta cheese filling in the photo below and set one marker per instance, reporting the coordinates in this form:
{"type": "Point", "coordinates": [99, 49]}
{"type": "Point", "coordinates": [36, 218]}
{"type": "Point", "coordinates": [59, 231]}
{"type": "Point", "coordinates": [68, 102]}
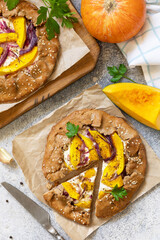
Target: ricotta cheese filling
{"type": "Point", "coordinates": [14, 54]}
{"type": "Point", "coordinates": [104, 187]}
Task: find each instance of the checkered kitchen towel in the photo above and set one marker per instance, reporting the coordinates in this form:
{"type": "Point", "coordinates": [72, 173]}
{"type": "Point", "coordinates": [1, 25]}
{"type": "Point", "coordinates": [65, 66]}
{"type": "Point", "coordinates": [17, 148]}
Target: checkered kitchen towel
{"type": "Point", "coordinates": [144, 49]}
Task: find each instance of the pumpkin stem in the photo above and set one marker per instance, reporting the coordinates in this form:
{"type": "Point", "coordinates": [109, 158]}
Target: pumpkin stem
{"type": "Point", "coordinates": [110, 5]}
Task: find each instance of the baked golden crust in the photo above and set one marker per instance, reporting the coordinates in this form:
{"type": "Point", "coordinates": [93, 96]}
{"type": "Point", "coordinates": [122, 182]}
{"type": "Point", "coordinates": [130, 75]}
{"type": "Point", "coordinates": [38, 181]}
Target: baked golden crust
{"type": "Point", "coordinates": [133, 175]}
{"type": "Point", "coordinates": [15, 87]}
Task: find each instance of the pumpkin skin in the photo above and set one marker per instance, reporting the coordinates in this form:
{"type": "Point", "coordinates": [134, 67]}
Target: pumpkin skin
{"type": "Point", "coordinates": [140, 101]}
{"type": "Point", "coordinates": [113, 21]}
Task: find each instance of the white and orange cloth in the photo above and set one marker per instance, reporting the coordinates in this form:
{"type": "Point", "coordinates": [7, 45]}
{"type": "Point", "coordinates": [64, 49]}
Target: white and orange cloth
{"type": "Point", "coordinates": [144, 49]}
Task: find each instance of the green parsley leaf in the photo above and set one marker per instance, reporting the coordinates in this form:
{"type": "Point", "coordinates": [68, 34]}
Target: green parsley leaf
{"type": "Point", "coordinates": [52, 27]}
{"type": "Point", "coordinates": [118, 192]}
{"type": "Point", "coordinates": [67, 23]}
{"type": "Point", "coordinates": [42, 15]}
{"type": "Point", "coordinates": [122, 69]}
{"type": "Point", "coordinates": [72, 130]}
{"type": "Point", "coordinates": [113, 70]}
{"type": "Point", "coordinates": [116, 78]}
{"type": "Point", "coordinates": [11, 4]}
{"type": "Point", "coordinates": [118, 73]}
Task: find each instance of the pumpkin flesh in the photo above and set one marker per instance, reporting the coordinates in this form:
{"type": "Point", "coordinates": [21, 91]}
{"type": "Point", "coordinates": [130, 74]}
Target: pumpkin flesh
{"type": "Point", "coordinates": [19, 24]}
{"type": "Point", "coordinates": [142, 102]}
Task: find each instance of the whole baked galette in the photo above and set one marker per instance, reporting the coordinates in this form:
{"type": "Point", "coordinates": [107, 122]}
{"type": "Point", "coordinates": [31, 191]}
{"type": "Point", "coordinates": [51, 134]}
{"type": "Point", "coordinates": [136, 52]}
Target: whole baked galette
{"type": "Point", "coordinates": [27, 57]}
{"type": "Point", "coordinates": [82, 140]}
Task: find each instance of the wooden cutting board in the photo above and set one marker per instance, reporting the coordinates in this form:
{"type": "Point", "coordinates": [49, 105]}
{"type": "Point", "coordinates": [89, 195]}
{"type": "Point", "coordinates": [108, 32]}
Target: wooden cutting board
{"type": "Point", "coordinates": [81, 68]}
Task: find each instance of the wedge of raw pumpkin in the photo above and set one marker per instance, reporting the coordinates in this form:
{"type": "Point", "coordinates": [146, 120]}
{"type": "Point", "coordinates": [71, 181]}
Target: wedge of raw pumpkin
{"type": "Point", "coordinates": [142, 102]}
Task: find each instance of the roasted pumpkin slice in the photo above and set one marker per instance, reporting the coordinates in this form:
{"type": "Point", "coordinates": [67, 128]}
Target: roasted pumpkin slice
{"type": "Point", "coordinates": [103, 145]}
{"type": "Point", "coordinates": [112, 183]}
{"type": "Point", "coordinates": [22, 62]}
{"type": "Point", "coordinates": [1, 51]}
{"type": "Point", "coordinates": [101, 194]}
{"type": "Point", "coordinates": [119, 153]}
{"type": "Point", "coordinates": [87, 185]}
{"type": "Point", "coordinates": [75, 154]}
{"type": "Point", "coordinates": [84, 204]}
{"type": "Point", "coordinates": [90, 173]}
{"type": "Point", "coordinates": [110, 169]}
{"type": "Point", "coordinates": [19, 24]}
{"type": "Point", "coordinates": [115, 166]}
{"type": "Point", "coordinates": [71, 190]}
{"type": "Point", "coordinates": [93, 155]}
{"type": "Point", "coordinates": [8, 37]}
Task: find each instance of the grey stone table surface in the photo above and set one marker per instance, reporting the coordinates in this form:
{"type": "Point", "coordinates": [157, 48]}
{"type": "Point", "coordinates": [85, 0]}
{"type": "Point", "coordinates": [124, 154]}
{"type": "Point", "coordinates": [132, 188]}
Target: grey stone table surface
{"type": "Point", "coordinates": [141, 220]}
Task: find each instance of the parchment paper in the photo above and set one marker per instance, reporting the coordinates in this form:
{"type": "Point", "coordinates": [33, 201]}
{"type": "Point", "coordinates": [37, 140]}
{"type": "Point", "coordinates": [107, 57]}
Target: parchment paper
{"type": "Point", "coordinates": [34, 139]}
{"type": "Point", "coordinates": [72, 49]}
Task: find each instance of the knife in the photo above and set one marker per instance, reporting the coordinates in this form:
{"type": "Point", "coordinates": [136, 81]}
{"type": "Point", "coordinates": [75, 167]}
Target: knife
{"type": "Point", "coordinates": [41, 215]}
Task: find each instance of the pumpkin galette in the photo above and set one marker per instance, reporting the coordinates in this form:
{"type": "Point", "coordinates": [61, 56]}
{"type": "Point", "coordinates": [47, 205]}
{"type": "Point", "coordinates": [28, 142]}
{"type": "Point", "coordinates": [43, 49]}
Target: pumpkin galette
{"type": "Point", "coordinates": [27, 57]}
{"type": "Point", "coordinates": [93, 138]}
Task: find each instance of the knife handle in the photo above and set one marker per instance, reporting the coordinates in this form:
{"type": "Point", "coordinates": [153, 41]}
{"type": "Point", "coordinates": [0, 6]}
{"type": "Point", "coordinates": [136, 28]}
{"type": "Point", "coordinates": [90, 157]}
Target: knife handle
{"type": "Point", "coordinates": [53, 232]}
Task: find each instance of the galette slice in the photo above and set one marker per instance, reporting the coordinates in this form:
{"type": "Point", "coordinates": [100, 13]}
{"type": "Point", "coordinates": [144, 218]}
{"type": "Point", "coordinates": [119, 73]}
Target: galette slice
{"type": "Point", "coordinates": [121, 176]}
{"type": "Point", "coordinates": [73, 198]}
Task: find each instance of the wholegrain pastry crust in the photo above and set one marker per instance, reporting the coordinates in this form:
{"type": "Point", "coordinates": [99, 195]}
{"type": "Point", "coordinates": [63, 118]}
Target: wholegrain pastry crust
{"type": "Point", "coordinates": [55, 170]}
{"type": "Point", "coordinates": [15, 87]}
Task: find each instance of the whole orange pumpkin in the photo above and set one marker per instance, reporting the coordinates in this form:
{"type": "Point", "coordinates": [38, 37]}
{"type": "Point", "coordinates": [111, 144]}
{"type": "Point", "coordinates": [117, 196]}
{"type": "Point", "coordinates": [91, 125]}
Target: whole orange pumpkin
{"type": "Point", "coordinates": [113, 21]}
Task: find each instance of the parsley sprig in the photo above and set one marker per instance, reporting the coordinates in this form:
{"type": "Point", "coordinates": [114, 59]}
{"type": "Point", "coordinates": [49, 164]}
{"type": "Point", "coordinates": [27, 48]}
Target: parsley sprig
{"type": "Point", "coordinates": [53, 9]}
{"type": "Point", "coordinates": [118, 73]}
{"type": "Point", "coordinates": [11, 4]}
{"type": "Point", "coordinates": [72, 130]}
{"type": "Point", "coordinates": [118, 192]}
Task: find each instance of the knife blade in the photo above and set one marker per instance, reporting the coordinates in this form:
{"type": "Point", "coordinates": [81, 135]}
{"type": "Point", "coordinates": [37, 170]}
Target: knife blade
{"type": "Point", "coordinates": [41, 215]}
